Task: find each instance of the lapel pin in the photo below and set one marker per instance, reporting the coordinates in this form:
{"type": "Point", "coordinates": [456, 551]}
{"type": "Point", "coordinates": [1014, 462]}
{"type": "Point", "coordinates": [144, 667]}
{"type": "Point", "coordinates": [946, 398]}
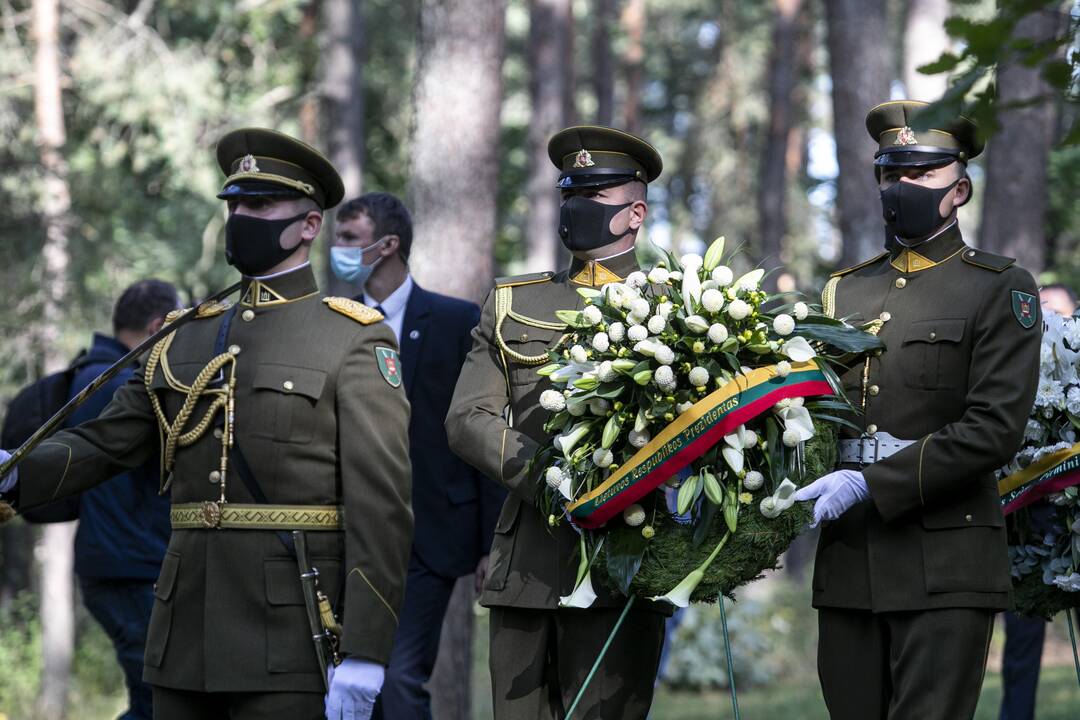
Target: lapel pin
{"type": "Point", "coordinates": [414, 335]}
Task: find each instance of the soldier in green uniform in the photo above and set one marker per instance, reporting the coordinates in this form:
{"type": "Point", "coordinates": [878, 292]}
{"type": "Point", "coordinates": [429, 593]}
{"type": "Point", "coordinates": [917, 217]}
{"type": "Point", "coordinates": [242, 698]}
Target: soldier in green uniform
{"type": "Point", "coordinates": [912, 562]}
{"type": "Point", "coordinates": [284, 411]}
{"type": "Point", "coordinates": [540, 652]}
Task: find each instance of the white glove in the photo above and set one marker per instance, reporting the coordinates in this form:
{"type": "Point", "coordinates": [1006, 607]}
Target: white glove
{"type": "Point", "coordinates": [354, 685]}
{"type": "Point", "coordinates": [7, 483]}
{"type": "Point", "coordinates": [836, 493]}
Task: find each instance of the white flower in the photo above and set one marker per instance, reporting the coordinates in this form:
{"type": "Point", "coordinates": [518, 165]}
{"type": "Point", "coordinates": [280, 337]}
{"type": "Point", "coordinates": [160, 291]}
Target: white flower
{"type": "Point", "coordinates": [566, 441]}
{"type": "Point", "coordinates": [679, 596]}
{"type": "Point", "coordinates": [664, 355]}
{"type": "Point", "coordinates": [791, 438]}
{"type": "Point", "coordinates": [783, 368]}
{"type": "Point", "coordinates": [699, 376]}
{"type": "Point", "coordinates": [601, 342]}
{"type": "Point", "coordinates": [634, 515]}
{"type": "Point", "coordinates": [636, 279]}
{"type": "Point", "coordinates": [691, 261]}
{"type": "Point", "coordinates": [674, 276]}
{"type": "Point", "coordinates": [718, 333]}
{"type": "Point", "coordinates": [798, 425]}
{"type": "Point", "coordinates": [605, 373]}
{"type": "Point", "coordinates": [1050, 394]}
{"type": "Point", "coordinates": [683, 407]}
{"type": "Point", "coordinates": [639, 439]}
{"type": "Point", "coordinates": [733, 456]}
{"type": "Point", "coordinates": [1068, 583]}
{"type": "Point", "coordinates": [592, 315]}
{"type": "Point", "coordinates": [583, 595]}
{"type": "Point", "coordinates": [599, 406]}
{"type": "Point", "coordinates": [691, 289]}
{"type": "Point", "coordinates": [576, 407]}
{"type": "Point", "coordinates": [637, 333]}
{"type": "Point", "coordinates": [656, 324]}
{"type": "Point", "coordinates": [750, 280]}
{"type": "Point", "coordinates": [658, 275]}
{"type": "Point", "coordinates": [646, 348]}
{"type": "Point", "coordinates": [722, 275]}
{"type": "Point", "coordinates": [783, 324]}
{"type": "Point", "coordinates": [664, 377]}
{"type": "Point", "coordinates": [798, 349]}
{"type": "Point", "coordinates": [554, 477]}
{"type": "Point", "coordinates": [779, 501]}
{"type": "Point", "coordinates": [738, 309]}
{"type": "Point", "coordinates": [753, 480]}
{"type": "Point", "coordinates": [578, 355]}
{"type": "Point", "coordinates": [616, 332]}
{"type": "Point", "coordinates": [602, 457]}
{"type": "Point", "coordinates": [572, 371]}
{"type": "Point", "coordinates": [552, 400]}
{"type": "Point", "coordinates": [1072, 400]}
{"type": "Point", "coordinates": [639, 307]}
{"type": "Point", "coordinates": [665, 309]}
{"type": "Point", "coordinates": [801, 311]}
{"type": "Point", "coordinates": [712, 300]}
{"type": "Point", "coordinates": [697, 324]}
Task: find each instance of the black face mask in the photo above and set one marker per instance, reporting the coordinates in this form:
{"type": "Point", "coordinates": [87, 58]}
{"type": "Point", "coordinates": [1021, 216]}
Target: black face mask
{"type": "Point", "coordinates": [585, 224]}
{"type": "Point", "coordinates": [253, 245]}
{"type": "Point", "coordinates": [911, 211]}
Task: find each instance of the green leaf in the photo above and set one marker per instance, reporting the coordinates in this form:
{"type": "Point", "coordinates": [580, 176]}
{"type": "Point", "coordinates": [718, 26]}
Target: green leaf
{"type": "Point", "coordinates": [844, 338]}
{"type": "Point", "coordinates": [610, 391]}
{"type": "Point", "coordinates": [1073, 136]}
{"type": "Point", "coordinates": [714, 254]}
{"type": "Point", "coordinates": [703, 523]}
{"type": "Point", "coordinates": [573, 318]}
{"type": "Point", "coordinates": [945, 63]}
{"type": "Point", "coordinates": [625, 548]}
{"type": "Point", "coordinates": [1058, 73]}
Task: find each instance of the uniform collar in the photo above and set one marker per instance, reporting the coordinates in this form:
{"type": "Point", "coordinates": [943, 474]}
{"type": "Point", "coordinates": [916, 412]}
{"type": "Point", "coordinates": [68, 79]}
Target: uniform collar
{"type": "Point", "coordinates": [594, 273]}
{"type": "Point", "coordinates": [280, 288]}
{"type": "Point", "coordinates": [929, 253]}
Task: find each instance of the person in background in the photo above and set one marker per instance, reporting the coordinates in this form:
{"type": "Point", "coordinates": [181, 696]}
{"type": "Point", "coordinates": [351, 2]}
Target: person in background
{"type": "Point", "coordinates": [123, 523]}
{"type": "Point", "coordinates": [454, 506]}
{"type": "Point", "coordinates": [1024, 636]}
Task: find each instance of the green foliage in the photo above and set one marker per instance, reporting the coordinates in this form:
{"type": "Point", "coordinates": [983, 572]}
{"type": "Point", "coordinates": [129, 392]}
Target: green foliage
{"type": "Point", "coordinates": [20, 653]}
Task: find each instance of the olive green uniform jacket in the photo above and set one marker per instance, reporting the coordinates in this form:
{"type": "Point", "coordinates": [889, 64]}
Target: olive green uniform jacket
{"type": "Point", "coordinates": [496, 423]}
{"type": "Point", "coordinates": [958, 377]}
{"type": "Point", "coordinates": [319, 425]}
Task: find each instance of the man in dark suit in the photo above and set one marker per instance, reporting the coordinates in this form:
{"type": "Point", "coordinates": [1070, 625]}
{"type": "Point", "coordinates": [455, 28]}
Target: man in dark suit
{"type": "Point", "coordinates": [454, 505]}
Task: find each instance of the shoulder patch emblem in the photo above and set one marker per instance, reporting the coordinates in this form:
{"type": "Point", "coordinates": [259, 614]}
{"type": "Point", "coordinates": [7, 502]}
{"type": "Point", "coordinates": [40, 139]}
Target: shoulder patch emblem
{"type": "Point", "coordinates": [389, 365]}
{"type": "Point", "coordinates": [1023, 307]}
{"type": "Point", "coordinates": [350, 308]}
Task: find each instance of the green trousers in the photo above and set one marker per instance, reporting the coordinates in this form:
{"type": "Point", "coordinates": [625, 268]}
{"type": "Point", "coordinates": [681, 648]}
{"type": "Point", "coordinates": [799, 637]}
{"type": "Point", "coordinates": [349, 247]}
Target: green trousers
{"type": "Point", "coordinates": [540, 658]}
{"type": "Point", "coordinates": [926, 664]}
{"type": "Point", "coordinates": [170, 704]}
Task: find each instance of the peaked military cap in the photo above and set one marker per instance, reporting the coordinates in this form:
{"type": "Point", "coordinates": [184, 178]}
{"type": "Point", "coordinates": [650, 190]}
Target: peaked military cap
{"type": "Point", "coordinates": [264, 163]}
{"type": "Point", "coordinates": [596, 156]}
{"type": "Point", "coordinates": [889, 124]}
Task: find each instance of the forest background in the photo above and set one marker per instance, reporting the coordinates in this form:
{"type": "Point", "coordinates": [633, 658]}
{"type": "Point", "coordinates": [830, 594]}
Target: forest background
{"type": "Point", "coordinates": [110, 109]}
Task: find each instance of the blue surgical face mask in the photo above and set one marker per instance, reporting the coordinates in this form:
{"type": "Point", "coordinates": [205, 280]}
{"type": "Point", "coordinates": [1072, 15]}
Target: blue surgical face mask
{"type": "Point", "coordinates": [348, 263]}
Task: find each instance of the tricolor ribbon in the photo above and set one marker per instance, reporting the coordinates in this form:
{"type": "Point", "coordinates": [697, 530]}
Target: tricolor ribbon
{"type": "Point", "coordinates": [1051, 473]}
{"type": "Point", "coordinates": [692, 434]}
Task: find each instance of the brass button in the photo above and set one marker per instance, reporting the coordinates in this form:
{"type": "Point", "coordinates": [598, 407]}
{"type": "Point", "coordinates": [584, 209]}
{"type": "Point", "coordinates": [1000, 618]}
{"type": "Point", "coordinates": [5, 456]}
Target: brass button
{"type": "Point", "coordinates": [234, 349]}
{"type": "Point", "coordinates": [971, 253]}
{"type": "Point", "coordinates": [218, 433]}
{"type": "Point", "coordinates": [288, 385]}
{"type": "Point", "coordinates": [901, 282]}
{"type": "Point", "coordinates": [871, 429]}
{"type": "Point", "coordinates": [874, 390]}
{"type": "Point", "coordinates": [885, 316]}
{"type": "Point", "coordinates": [968, 518]}
{"type": "Point", "coordinates": [933, 334]}
{"type": "Point", "coordinates": [524, 337]}
{"type": "Point", "coordinates": [215, 477]}
{"type": "Point", "coordinates": [248, 315]}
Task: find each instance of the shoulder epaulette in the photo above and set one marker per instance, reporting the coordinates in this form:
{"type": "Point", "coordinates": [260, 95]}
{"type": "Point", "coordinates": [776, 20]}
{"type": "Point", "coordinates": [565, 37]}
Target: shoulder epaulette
{"type": "Point", "coordinates": [353, 309]}
{"type": "Point", "coordinates": [853, 268]}
{"type": "Point", "coordinates": [175, 315]}
{"type": "Point", "coordinates": [529, 279]}
{"type": "Point", "coordinates": [987, 260]}
{"type": "Point", "coordinates": [212, 309]}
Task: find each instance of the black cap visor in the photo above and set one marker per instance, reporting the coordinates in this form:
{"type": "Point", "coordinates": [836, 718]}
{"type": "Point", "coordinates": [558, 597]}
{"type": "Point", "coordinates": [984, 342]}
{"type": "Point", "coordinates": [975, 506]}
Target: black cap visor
{"type": "Point", "coordinates": [258, 188]}
{"type": "Point", "coordinates": [917, 156]}
{"type": "Point", "coordinates": [596, 177]}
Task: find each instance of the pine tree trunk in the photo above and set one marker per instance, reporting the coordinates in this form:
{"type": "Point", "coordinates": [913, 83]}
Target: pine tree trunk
{"type": "Point", "coordinates": [633, 23]}
{"type": "Point", "coordinates": [924, 41]}
{"type": "Point", "coordinates": [773, 178]}
{"type": "Point", "coordinates": [603, 67]}
{"type": "Point", "coordinates": [455, 148]}
{"type": "Point", "coordinates": [343, 108]}
{"type": "Point", "coordinates": [1014, 206]}
{"type": "Point", "coordinates": [55, 551]}
{"type": "Point", "coordinates": [452, 191]}
{"type": "Point", "coordinates": [549, 52]}
{"type": "Point", "coordinates": [859, 64]}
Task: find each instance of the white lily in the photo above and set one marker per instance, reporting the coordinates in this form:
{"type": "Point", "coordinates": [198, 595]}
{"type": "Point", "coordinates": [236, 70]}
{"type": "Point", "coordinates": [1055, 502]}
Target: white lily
{"type": "Point", "coordinates": [779, 501]}
{"type": "Point", "coordinates": [691, 287]}
{"type": "Point", "coordinates": [733, 457]}
{"type": "Point", "coordinates": [646, 347]}
{"type": "Point", "coordinates": [798, 349]}
{"type": "Point", "coordinates": [566, 442]}
{"type": "Point", "coordinates": [583, 595]}
{"type": "Point", "coordinates": [679, 596]}
{"type": "Point", "coordinates": [797, 420]}
{"type": "Point", "coordinates": [572, 371]}
{"type": "Point", "coordinates": [697, 324]}
{"type": "Point", "coordinates": [751, 280]}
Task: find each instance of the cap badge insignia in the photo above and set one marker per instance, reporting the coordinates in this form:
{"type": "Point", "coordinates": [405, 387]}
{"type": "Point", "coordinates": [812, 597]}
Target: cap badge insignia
{"type": "Point", "coordinates": [248, 164]}
{"type": "Point", "coordinates": [906, 136]}
{"type": "Point", "coordinates": [583, 159]}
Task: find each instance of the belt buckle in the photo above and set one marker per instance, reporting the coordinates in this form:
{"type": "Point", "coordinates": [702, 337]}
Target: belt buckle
{"type": "Point", "coordinates": [864, 442]}
{"type": "Point", "coordinates": [211, 514]}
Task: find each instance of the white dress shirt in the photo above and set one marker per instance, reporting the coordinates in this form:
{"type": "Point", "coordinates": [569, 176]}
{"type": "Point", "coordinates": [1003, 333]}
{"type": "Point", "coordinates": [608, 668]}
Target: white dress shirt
{"type": "Point", "coordinates": [393, 307]}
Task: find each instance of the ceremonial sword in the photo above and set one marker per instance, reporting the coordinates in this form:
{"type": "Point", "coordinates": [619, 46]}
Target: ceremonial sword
{"type": "Point", "coordinates": [73, 404]}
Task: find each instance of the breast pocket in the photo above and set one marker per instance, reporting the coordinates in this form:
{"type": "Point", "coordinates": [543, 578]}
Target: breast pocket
{"type": "Point", "coordinates": [283, 406]}
{"type": "Point", "coordinates": [931, 352]}
{"type": "Point", "coordinates": [527, 342]}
